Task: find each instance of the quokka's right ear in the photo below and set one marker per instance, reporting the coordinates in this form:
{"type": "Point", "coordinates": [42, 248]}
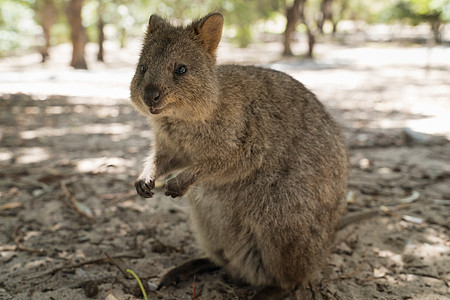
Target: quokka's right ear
{"type": "Point", "coordinates": [155, 22]}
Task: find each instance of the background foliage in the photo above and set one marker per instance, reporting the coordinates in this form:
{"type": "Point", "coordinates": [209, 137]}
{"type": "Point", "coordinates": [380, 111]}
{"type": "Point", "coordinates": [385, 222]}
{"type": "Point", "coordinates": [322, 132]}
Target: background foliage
{"type": "Point", "coordinates": [21, 20]}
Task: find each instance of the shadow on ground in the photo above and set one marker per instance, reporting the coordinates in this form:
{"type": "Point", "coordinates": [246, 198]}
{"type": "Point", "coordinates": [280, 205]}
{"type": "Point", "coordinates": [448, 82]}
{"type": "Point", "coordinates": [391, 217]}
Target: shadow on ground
{"type": "Point", "coordinates": [70, 215]}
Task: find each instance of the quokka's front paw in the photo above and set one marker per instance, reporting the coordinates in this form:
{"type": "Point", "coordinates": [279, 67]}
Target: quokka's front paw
{"type": "Point", "coordinates": [144, 187]}
{"type": "Point", "coordinates": [175, 188]}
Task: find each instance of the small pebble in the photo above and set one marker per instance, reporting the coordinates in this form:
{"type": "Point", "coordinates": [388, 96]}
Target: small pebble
{"type": "Point", "coordinates": [408, 258]}
{"type": "Point", "coordinates": [91, 289]}
{"type": "Point", "coordinates": [153, 287]}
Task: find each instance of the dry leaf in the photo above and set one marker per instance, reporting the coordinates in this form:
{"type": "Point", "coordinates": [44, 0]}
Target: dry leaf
{"type": "Point", "coordinates": [84, 209]}
{"type": "Point", "coordinates": [10, 205]}
{"type": "Point", "coordinates": [386, 210]}
{"type": "Point", "coordinates": [378, 273]}
{"type": "Point", "coordinates": [410, 199]}
{"type": "Point", "coordinates": [350, 197]}
{"type": "Point", "coordinates": [415, 220]}
{"type": "Point", "coordinates": [111, 297]}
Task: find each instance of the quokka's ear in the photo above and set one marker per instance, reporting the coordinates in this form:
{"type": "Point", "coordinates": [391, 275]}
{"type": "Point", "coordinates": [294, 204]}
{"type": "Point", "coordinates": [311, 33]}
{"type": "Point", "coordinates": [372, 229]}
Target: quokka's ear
{"type": "Point", "coordinates": [155, 22]}
{"type": "Point", "coordinates": [209, 29]}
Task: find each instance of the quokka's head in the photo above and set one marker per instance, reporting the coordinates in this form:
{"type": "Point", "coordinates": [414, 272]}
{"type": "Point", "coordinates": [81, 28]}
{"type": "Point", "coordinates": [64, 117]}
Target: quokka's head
{"type": "Point", "coordinates": [175, 76]}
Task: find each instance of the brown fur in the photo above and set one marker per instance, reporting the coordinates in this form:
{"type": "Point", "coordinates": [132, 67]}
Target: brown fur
{"type": "Point", "coordinates": [264, 164]}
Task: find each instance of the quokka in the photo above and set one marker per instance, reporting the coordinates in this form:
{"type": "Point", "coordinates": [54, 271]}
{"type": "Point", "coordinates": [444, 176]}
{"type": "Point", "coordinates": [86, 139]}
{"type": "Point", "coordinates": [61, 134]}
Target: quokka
{"type": "Point", "coordinates": [269, 161]}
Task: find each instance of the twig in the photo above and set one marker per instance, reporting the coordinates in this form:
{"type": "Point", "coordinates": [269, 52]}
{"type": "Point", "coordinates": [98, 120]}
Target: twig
{"type": "Point", "coordinates": [26, 183]}
{"type": "Point", "coordinates": [51, 188]}
{"type": "Point", "coordinates": [194, 291]}
{"type": "Point", "coordinates": [92, 260]}
{"type": "Point", "coordinates": [356, 217]}
{"type": "Point", "coordinates": [134, 233]}
{"type": "Point", "coordinates": [119, 196]}
{"type": "Point", "coordinates": [357, 268]}
{"type": "Point", "coordinates": [128, 288]}
{"type": "Point", "coordinates": [426, 275]}
{"type": "Point", "coordinates": [73, 202]}
{"type": "Point", "coordinates": [31, 182]}
{"type": "Point", "coordinates": [343, 240]}
{"type": "Point", "coordinates": [434, 222]}
{"type": "Point", "coordinates": [119, 265]}
{"type": "Point", "coordinates": [170, 247]}
{"type": "Point", "coordinates": [349, 275]}
{"type": "Point", "coordinates": [16, 238]}
{"type": "Point", "coordinates": [80, 284]}
{"type": "Point", "coordinates": [387, 209]}
{"type": "Point", "coordinates": [417, 266]}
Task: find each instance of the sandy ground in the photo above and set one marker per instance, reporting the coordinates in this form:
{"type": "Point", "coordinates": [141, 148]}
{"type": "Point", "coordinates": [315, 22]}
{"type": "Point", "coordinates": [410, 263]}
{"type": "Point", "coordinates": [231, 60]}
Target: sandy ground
{"type": "Point", "coordinates": [71, 147]}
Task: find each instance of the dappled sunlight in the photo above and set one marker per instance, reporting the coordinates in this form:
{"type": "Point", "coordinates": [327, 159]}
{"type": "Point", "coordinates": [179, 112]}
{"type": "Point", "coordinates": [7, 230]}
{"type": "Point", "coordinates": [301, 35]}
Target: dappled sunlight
{"type": "Point", "coordinates": [105, 112]}
{"type": "Point", "coordinates": [407, 80]}
{"type": "Point", "coordinates": [396, 257]}
{"type": "Point", "coordinates": [103, 165]}
{"type": "Point", "coordinates": [109, 129]}
{"type": "Point", "coordinates": [386, 97]}
{"type": "Point", "coordinates": [32, 155]}
{"type": "Point", "coordinates": [434, 246]}
{"type": "Point", "coordinates": [5, 155]}
{"type": "Point", "coordinates": [435, 125]}
{"type": "Point", "coordinates": [43, 132]}
{"type": "Point", "coordinates": [26, 74]}
{"type": "Point", "coordinates": [97, 100]}
{"type": "Point", "coordinates": [431, 247]}
{"type": "Point", "coordinates": [87, 88]}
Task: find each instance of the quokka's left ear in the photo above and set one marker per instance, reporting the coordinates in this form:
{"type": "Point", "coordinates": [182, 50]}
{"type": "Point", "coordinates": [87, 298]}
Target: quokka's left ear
{"type": "Point", "coordinates": [209, 29]}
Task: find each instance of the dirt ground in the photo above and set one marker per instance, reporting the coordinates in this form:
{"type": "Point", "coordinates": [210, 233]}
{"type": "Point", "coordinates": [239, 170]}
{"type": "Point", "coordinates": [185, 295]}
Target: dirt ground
{"type": "Point", "coordinates": [71, 147]}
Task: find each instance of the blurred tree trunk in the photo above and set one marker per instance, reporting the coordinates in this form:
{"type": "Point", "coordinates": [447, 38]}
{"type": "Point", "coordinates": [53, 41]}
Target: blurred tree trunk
{"type": "Point", "coordinates": [326, 13]}
{"type": "Point", "coordinates": [101, 38]}
{"type": "Point", "coordinates": [101, 33]}
{"type": "Point", "coordinates": [435, 23]}
{"type": "Point", "coordinates": [294, 15]}
{"type": "Point", "coordinates": [311, 42]}
{"type": "Point", "coordinates": [339, 14]}
{"type": "Point", "coordinates": [78, 34]}
{"type": "Point", "coordinates": [46, 17]}
{"type": "Point", "coordinates": [335, 20]}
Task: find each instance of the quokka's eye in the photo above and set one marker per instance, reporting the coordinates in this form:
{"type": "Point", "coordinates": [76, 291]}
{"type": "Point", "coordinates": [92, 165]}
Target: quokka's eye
{"type": "Point", "coordinates": [142, 69]}
{"type": "Point", "coordinates": [181, 70]}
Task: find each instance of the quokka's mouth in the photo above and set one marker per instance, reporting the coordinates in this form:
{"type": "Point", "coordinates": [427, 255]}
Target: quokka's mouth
{"type": "Point", "coordinates": [154, 110]}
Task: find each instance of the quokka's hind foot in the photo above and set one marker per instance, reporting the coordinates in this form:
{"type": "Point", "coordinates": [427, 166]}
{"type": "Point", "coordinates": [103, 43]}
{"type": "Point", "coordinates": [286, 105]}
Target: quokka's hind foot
{"type": "Point", "coordinates": [271, 293]}
{"type": "Point", "coordinates": [186, 270]}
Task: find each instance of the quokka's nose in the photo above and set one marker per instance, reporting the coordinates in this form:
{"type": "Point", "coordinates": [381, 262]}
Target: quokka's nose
{"type": "Point", "coordinates": [152, 95]}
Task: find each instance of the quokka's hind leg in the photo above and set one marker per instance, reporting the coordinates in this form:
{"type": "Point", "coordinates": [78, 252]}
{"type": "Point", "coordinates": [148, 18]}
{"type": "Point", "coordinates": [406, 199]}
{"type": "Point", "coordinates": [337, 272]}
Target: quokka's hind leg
{"type": "Point", "coordinates": [186, 270]}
